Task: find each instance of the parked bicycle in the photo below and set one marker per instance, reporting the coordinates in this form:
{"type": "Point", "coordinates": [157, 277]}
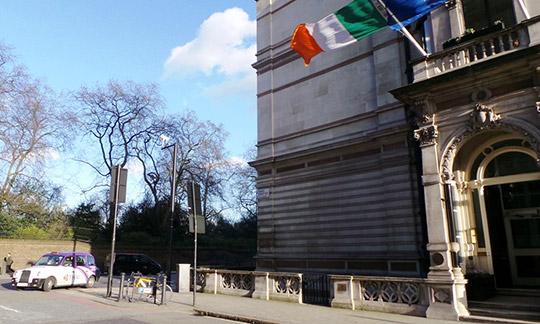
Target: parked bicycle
{"type": "Point", "coordinates": [139, 287]}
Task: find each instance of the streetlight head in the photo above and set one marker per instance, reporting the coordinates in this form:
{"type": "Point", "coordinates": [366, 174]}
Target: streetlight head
{"type": "Point", "coordinates": [164, 139]}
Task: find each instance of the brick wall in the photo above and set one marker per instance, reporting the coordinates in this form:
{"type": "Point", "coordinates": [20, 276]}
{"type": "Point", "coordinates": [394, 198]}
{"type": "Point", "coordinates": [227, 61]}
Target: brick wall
{"type": "Point", "coordinates": [26, 251]}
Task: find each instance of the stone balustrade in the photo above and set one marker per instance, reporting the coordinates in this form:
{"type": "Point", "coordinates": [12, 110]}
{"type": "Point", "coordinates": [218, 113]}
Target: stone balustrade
{"type": "Point", "coordinates": [254, 284]}
{"type": "Point", "coordinates": [476, 50]}
{"type": "Point", "coordinates": [411, 296]}
{"type": "Point", "coordinates": [387, 294]}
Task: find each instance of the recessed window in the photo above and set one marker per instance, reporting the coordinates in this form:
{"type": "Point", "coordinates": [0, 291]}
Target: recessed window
{"type": "Point", "coordinates": [511, 163]}
{"type": "Point", "coordinates": [480, 14]}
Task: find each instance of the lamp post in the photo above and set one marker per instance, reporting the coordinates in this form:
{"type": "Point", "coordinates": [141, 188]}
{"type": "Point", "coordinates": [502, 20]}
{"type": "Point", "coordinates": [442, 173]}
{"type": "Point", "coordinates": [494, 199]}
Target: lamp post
{"type": "Point", "coordinates": [173, 195]}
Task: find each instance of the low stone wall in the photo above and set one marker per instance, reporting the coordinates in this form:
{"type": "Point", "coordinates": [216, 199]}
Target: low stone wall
{"type": "Point", "coordinates": [261, 285]}
{"type": "Point", "coordinates": [385, 294]}
{"type": "Point", "coordinates": [26, 251]}
{"type": "Point", "coordinates": [432, 298]}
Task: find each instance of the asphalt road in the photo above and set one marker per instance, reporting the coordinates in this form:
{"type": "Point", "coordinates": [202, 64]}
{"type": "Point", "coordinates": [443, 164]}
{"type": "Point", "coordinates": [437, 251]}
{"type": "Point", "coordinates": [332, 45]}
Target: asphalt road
{"type": "Point", "coordinates": [76, 305]}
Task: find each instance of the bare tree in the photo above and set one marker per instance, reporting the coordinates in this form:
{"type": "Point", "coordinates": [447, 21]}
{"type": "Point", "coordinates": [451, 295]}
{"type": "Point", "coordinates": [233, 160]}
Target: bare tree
{"type": "Point", "coordinates": [117, 116]}
{"type": "Point", "coordinates": [200, 156]}
{"type": "Point", "coordinates": [33, 126]}
{"type": "Point", "coordinates": [243, 186]}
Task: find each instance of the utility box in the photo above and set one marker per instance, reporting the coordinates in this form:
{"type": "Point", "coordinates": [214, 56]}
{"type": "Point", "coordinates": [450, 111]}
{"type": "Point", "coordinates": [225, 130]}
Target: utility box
{"type": "Point", "coordinates": [183, 271]}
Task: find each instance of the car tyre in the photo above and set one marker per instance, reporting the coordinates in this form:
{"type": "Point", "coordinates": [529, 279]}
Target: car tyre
{"type": "Point", "coordinates": [91, 282]}
{"type": "Point", "coordinates": [48, 284]}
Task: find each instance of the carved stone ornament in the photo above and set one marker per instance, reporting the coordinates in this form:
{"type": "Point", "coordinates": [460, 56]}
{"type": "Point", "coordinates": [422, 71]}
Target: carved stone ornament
{"type": "Point", "coordinates": [441, 295]}
{"type": "Point", "coordinates": [427, 135]}
{"type": "Point", "coordinates": [483, 117]}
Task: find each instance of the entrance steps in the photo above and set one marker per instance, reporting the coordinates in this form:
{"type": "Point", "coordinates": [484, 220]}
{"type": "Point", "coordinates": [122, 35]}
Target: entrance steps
{"type": "Point", "coordinates": [508, 306]}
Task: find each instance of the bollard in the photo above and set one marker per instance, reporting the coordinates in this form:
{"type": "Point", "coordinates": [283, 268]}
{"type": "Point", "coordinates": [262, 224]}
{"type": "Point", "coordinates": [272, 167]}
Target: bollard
{"type": "Point", "coordinates": [164, 291]}
{"type": "Point", "coordinates": [121, 292]}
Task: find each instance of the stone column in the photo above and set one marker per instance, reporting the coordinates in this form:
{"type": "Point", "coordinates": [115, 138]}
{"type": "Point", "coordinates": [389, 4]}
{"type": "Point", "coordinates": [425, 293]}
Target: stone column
{"type": "Point", "coordinates": [447, 285]}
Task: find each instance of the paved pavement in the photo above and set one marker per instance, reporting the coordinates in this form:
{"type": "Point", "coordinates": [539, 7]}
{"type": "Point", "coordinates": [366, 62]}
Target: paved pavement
{"type": "Point", "coordinates": [243, 309]}
{"type": "Point", "coordinates": [250, 310]}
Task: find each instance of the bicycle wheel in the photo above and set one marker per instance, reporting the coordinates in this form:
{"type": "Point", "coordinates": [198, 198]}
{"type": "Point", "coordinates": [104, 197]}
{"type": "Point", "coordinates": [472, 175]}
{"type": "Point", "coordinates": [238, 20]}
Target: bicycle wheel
{"type": "Point", "coordinates": [128, 291]}
{"type": "Point", "coordinates": [168, 293]}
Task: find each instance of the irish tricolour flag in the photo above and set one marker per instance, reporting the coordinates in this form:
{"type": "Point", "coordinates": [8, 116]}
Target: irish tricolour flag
{"type": "Point", "coordinates": [358, 19]}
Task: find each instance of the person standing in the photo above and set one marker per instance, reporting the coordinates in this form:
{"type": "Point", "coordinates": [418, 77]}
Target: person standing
{"type": "Point", "coordinates": [9, 263]}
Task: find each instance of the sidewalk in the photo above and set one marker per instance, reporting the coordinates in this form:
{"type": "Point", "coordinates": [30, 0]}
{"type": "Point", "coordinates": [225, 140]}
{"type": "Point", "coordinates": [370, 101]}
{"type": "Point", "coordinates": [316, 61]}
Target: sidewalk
{"type": "Point", "coordinates": [258, 311]}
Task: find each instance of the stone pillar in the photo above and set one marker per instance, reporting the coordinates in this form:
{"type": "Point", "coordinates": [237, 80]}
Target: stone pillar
{"type": "Point", "coordinates": [261, 285]}
{"type": "Point", "coordinates": [342, 291]}
{"type": "Point", "coordinates": [447, 284]}
{"type": "Point", "coordinates": [183, 272]}
{"type": "Point", "coordinates": [213, 281]}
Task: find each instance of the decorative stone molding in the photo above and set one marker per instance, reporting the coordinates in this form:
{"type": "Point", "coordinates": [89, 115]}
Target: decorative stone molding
{"type": "Point", "coordinates": [461, 183]}
{"type": "Point", "coordinates": [442, 295]}
{"type": "Point", "coordinates": [481, 94]}
{"type": "Point", "coordinates": [425, 106]}
{"type": "Point", "coordinates": [427, 135]}
{"type": "Point", "coordinates": [483, 117]}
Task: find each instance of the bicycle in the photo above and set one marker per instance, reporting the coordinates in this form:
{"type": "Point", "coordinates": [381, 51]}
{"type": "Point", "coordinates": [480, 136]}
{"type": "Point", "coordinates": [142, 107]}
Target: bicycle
{"type": "Point", "coordinates": [138, 286]}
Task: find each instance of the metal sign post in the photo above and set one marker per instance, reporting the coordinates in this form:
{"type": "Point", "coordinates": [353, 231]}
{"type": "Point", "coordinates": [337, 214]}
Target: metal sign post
{"type": "Point", "coordinates": [171, 220]}
{"type": "Point", "coordinates": [119, 183]}
{"type": "Point", "coordinates": [194, 202]}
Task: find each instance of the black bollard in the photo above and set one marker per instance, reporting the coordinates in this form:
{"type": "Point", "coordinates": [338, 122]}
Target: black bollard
{"type": "Point", "coordinates": [121, 292]}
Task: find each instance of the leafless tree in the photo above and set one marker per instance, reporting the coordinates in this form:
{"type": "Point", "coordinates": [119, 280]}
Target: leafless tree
{"type": "Point", "coordinates": [33, 126]}
{"type": "Point", "coordinates": [200, 157]}
{"type": "Point", "coordinates": [243, 185]}
{"type": "Point", "coordinates": [117, 115]}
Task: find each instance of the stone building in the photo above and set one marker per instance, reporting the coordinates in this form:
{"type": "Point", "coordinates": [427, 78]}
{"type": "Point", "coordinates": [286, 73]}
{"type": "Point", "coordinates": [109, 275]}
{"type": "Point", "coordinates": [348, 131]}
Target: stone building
{"type": "Point", "coordinates": [376, 160]}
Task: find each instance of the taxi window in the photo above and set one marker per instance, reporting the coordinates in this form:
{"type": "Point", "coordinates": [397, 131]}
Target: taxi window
{"type": "Point", "coordinates": [68, 262]}
{"type": "Point", "coordinates": [91, 260]}
{"type": "Point", "coordinates": [81, 260]}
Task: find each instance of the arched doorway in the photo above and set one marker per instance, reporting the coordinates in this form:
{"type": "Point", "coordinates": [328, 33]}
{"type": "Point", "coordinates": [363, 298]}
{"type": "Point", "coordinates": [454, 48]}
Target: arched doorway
{"type": "Point", "coordinates": [500, 208]}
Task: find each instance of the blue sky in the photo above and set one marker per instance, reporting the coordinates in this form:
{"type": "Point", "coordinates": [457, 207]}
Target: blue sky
{"type": "Point", "coordinates": [199, 52]}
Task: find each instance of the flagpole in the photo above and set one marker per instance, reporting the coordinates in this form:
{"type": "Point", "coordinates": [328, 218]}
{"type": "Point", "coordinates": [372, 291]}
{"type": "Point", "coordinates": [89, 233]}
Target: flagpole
{"type": "Point", "coordinates": [524, 9]}
{"type": "Point", "coordinates": [404, 30]}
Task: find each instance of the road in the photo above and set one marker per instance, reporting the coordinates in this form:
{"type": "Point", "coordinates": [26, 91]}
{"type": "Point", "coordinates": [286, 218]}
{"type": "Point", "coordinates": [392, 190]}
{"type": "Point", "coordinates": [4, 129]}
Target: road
{"type": "Point", "coordinates": [81, 305]}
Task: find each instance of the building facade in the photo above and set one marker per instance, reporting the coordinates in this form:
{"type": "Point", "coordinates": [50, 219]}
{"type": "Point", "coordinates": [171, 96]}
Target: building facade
{"type": "Point", "coordinates": [337, 181]}
{"type": "Point", "coordinates": [376, 160]}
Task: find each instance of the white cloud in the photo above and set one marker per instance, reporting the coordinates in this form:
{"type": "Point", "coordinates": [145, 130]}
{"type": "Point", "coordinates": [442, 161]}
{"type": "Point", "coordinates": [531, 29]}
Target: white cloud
{"type": "Point", "coordinates": [135, 167]}
{"type": "Point", "coordinates": [238, 161]}
{"type": "Point", "coordinates": [247, 85]}
{"type": "Point", "coordinates": [225, 44]}
{"type": "Point", "coordinates": [45, 154]}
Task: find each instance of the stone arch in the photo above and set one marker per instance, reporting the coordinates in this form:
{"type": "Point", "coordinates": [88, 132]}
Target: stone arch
{"type": "Point", "coordinates": [512, 125]}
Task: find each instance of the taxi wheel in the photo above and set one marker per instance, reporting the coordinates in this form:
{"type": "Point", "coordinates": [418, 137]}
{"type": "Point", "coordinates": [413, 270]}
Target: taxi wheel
{"type": "Point", "coordinates": [91, 282]}
{"type": "Point", "coordinates": [48, 284]}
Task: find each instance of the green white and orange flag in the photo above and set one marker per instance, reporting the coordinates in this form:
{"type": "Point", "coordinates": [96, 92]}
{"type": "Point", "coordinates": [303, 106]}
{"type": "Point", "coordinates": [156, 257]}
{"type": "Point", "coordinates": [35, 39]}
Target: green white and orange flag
{"type": "Point", "coordinates": [358, 19]}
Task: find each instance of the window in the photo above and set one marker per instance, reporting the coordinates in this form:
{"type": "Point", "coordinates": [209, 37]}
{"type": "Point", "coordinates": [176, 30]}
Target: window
{"type": "Point", "coordinates": [81, 260]}
{"type": "Point", "coordinates": [68, 261]}
{"type": "Point", "coordinates": [480, 14]}
{"type": "Point", "coordinates": [91, 260]}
